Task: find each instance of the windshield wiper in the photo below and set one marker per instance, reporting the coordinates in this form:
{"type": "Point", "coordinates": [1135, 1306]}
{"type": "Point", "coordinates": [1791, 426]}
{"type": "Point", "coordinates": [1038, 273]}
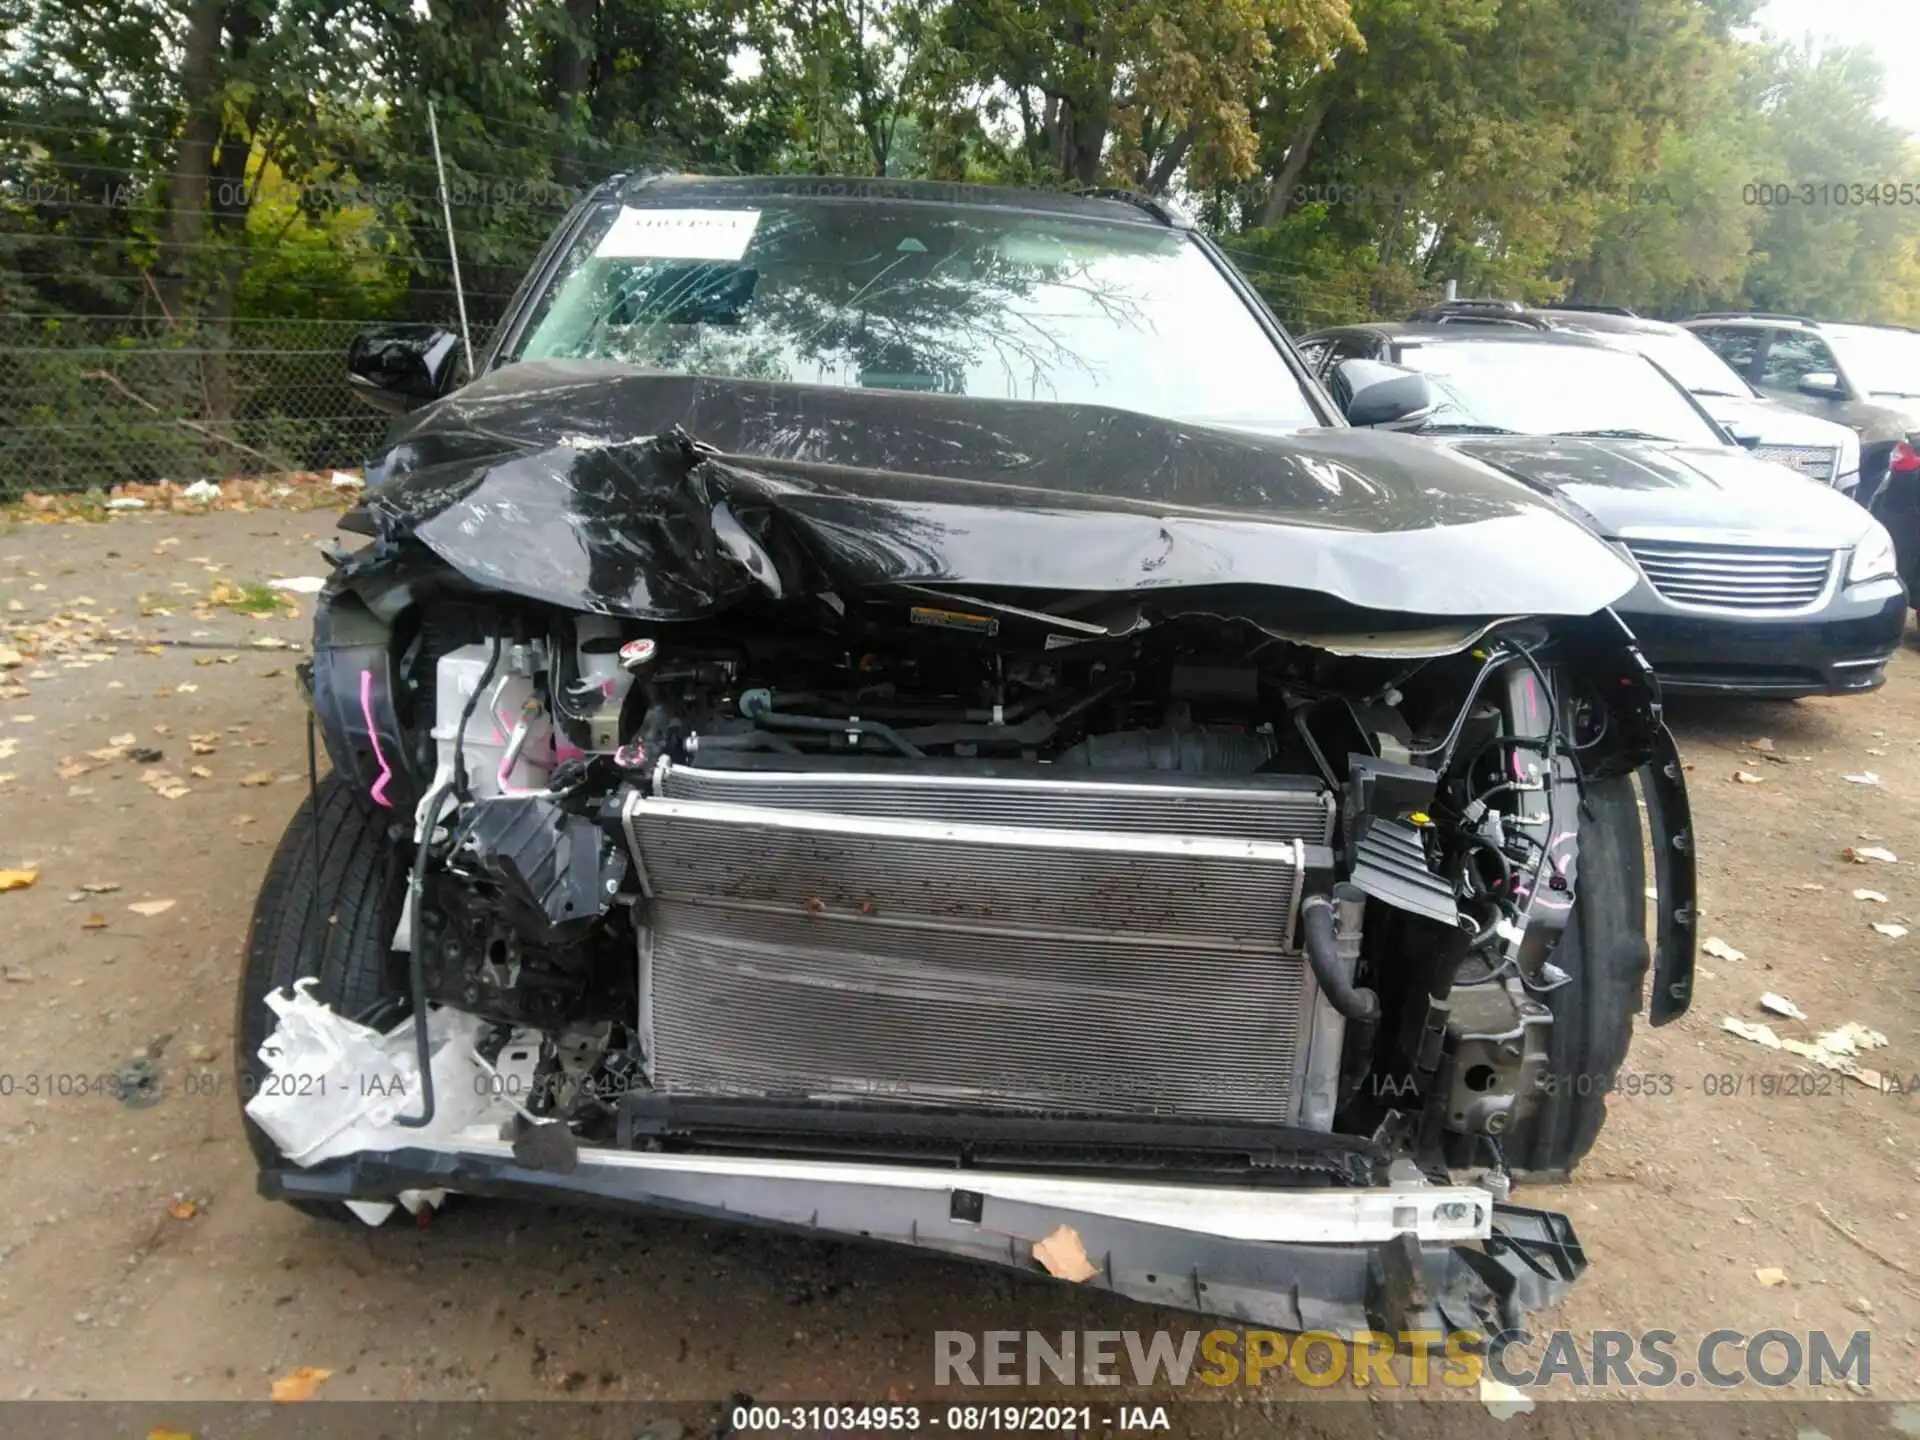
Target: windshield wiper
{"type": "Point", "coordinates": [1613, 435]}
{"type": "Point", "coordinates": [1463, 429]}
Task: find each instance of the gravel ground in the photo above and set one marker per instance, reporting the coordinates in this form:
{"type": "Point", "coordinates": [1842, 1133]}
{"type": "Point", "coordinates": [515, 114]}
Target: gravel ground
{"type": "Point", "coordinates": [1731, 1160]}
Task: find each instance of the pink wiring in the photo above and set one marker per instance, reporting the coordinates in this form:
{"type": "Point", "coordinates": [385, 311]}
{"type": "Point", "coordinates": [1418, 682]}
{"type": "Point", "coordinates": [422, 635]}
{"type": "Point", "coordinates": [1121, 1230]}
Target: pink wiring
{"type": "Point", "coordinates": [379, 791]}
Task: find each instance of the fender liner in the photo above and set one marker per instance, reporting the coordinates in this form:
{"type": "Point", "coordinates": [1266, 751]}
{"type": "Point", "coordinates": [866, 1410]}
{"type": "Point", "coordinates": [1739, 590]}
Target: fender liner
{"type": "Point", "coordinates": [1670, 830]}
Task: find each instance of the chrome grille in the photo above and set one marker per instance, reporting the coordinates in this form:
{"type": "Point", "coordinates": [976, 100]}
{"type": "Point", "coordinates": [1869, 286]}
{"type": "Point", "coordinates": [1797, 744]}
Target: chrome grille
{"type": "Point", "coordinates": [1816, 462]}
{"type": "Point", "coordinates": [1749, 580]}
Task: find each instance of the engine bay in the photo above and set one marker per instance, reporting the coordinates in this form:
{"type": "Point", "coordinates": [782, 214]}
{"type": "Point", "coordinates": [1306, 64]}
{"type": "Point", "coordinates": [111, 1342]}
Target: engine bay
{"type": "Point", "coordinates": [878, 873]}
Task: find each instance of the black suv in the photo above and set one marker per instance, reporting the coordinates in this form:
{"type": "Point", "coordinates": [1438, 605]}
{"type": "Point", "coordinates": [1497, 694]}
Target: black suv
{"type": "Point", "coordinates": [1866, 377]}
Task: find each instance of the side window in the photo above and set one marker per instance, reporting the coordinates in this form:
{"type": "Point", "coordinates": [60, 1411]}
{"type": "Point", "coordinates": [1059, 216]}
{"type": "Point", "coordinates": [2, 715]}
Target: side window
{"type": "Point", "coordinates": [1315, 353]}
{"type": "Point", "coordinates": [1792, 355]}
{"type": "Point", "coordinates": [1739, 346]}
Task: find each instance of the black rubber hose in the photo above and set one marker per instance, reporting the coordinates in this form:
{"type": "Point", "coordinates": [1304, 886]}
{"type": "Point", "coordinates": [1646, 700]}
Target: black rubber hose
{"type": "Point", "coordinates": [1356, 1002]}
{"type": "Point", "coordinates": [417, 966]}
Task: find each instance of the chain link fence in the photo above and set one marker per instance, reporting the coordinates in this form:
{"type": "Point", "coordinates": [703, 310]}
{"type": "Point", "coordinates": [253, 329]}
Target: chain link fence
{"type": "Point", "coordinates": [90, 402]}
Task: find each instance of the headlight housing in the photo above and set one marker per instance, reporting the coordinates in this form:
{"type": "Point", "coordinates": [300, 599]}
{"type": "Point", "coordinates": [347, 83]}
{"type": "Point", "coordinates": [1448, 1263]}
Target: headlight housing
{"type": "Point", "coordinates": [1846, 475]}
{"type": "Point", "coordinates": [1873, 556]}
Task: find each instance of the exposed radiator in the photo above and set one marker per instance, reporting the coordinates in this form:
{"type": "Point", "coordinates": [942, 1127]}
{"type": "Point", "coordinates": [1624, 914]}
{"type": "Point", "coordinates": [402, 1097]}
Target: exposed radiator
{"type": "Point", "coordinates": [995, 942]}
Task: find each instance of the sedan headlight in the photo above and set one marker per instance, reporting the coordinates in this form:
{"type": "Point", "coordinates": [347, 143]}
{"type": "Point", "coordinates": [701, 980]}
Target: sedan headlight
{"type": "Point", "coordinates": [1873, 556]}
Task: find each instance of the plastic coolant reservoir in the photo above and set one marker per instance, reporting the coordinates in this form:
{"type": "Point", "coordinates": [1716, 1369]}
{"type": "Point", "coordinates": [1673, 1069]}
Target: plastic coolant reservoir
{"type": "Point", "coordinates": [509, 705]}
{"type": "Point", "coordinates": [335, 1087]}
{"type": "Point", "coordinates": [603, 684]}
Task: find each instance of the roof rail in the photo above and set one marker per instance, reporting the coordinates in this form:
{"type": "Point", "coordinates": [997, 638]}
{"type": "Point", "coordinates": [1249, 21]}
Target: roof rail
{"type": "Point", "coordinates": [1464, 305]}
{"type": "Point", "coordinates": [1753, 315]}
{"type": "Point", "coordinates": [1496, 312]}
{"type": "Point", "coordinates": [1165, 211]}
{"type": "Point", "coordinates": [1624, 310]}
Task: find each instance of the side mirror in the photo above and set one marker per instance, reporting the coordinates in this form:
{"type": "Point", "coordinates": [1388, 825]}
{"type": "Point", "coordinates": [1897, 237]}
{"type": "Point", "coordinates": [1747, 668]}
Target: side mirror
{"type": "Point", "coordinates": [1371, 393]}
{"type": "Point", "coordinates": [1822, 385]}
{"type": "Point", "coordinates": [1746, 439]}
{"type": "Point", "coordinates": [398, 368]}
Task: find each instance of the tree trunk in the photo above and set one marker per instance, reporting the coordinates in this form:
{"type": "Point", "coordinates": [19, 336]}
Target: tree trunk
{"type": "Point", "coordinates": [193, 165]}
{"type": "Point", "coordinates": [1086, 141]}
{"type": "Point", "coordinates": [1170, 162]}
{"type": "Point", "coordinates": [1280, 197]}
{"type": "Point", "coordinates": [572, 79]}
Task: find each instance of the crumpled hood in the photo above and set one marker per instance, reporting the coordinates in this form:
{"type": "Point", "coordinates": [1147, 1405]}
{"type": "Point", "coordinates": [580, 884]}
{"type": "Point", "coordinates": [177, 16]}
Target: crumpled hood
{"type": "Point", "coordinates": [597, 487]}
{"type": "Point", "coordinates": [1637, 487]}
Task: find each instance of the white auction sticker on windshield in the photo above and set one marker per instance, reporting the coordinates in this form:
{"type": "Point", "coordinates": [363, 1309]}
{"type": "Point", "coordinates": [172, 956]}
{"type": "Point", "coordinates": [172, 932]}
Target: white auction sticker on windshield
{"type": "Point", "coordinates": [645, 234]}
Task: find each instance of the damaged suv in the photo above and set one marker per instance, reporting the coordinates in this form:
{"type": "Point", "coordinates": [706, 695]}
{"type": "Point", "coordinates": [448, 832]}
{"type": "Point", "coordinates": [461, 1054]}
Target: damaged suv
{"type": "Point", "coordinates": [902, 711]}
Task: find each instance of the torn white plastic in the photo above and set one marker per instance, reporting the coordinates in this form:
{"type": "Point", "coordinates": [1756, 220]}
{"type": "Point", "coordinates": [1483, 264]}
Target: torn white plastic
{"type": "Point", "coordinates": [299, 584]}
{"type": "Point", "coordinates": [335, 1087]}
{"type": "Point", "coordinates": [377, 1212]}
{"type": "Point", "coordinates": [201, 490]}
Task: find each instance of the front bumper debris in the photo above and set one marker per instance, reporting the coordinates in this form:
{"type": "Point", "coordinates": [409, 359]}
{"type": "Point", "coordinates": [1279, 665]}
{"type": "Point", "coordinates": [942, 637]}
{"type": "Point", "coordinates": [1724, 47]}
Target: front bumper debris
{"type": "Point", "coordinates": [1437, 1259]}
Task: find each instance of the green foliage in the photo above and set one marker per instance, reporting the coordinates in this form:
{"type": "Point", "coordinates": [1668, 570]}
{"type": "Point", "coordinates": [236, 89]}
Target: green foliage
{"type": "Point", "coordinates": [199, 167]}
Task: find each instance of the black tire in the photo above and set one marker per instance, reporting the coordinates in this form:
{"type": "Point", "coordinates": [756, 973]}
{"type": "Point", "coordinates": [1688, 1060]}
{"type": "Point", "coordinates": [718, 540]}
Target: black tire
{"type": "Point", "coordinates": [335, 922]}
{"type": "Point", "coordinates": [1605, 950]}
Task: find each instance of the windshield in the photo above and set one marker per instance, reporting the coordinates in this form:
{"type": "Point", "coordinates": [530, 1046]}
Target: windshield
{"type": "Point", "coordinates": [1686, 359]}
{"type": "Point", "coordinates": [1880, 362]}
{"type": "Point", "coordinates": [950, 299]}
{"type": "Point", "coordinates": [1534, 389]}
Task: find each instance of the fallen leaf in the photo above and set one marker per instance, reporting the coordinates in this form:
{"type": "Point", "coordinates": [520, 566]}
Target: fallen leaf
{"type": "Point", "coordinates": [187, 689]}
{"type": "Point", "coordinates": [1892, 932]}
{"type": "Point", "coordinates": [1769, 1276]}
{"type": "Point", "coordinates": [70, 768]}
{"type": "Point", "coordinates": [122, 741]}
{"type": "Point", "coordinates": [1779, 1005]}
{"type": "Point", "coordinates": [1749, 1030]}
{"type": "Point", "coordinates": [1747, 777]}
{"type": "Point", "coordinates": [1873, 895]}
{"type": "Point", "coordinates": [1503, 1401]}
{"type": "Point", "coordinates": [1850, 1039]}
{"type": "Point", "coordinates": [1063, 1256]}
{"type": "Point", "coordinates": [165, 784]}
{"type": "Point", "coordinates": [300, 1384]}
{"type": "Point", "coordinates": [200, 772]}
{"type": "Point", "coordinates": [1810, 885]}
{"type": "Point", "coordinates": [254, 779]}
{"type": "Point", "coordinates": [100, 887]}
{"type": "Point", "coordinates": [241, 820]}
{"type": "Point", "coordinates": [151, 907]}
{"type": "Point", "coordinates": [96, 921]}
{"type": "Point", "coordinates": [183, 1210]}
{"type": "Point", "coordinates": [1721, 950]}
{"type": "Point", "coordinates": [10, 658]}
{"type": "Point", "coordinates": [8, 746]}
{"type": "Point", "coordinates": [1764, 744]}
{"type": "Point", "coordinates": [18, 879]}
{"type": "Point", "coordinates": [1861, 854]}
{"type": "Point", "coordinates": [167, 1432]}
{"type": "Point", "coordinates": [1865, 777]}
{"type": "Point", "coordinates": [146, 755]}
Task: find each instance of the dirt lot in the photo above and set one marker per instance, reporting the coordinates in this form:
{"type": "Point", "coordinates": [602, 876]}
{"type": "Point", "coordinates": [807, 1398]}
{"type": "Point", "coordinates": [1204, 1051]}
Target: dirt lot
{"type": "Point", "coordinates": [105, 1293]}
